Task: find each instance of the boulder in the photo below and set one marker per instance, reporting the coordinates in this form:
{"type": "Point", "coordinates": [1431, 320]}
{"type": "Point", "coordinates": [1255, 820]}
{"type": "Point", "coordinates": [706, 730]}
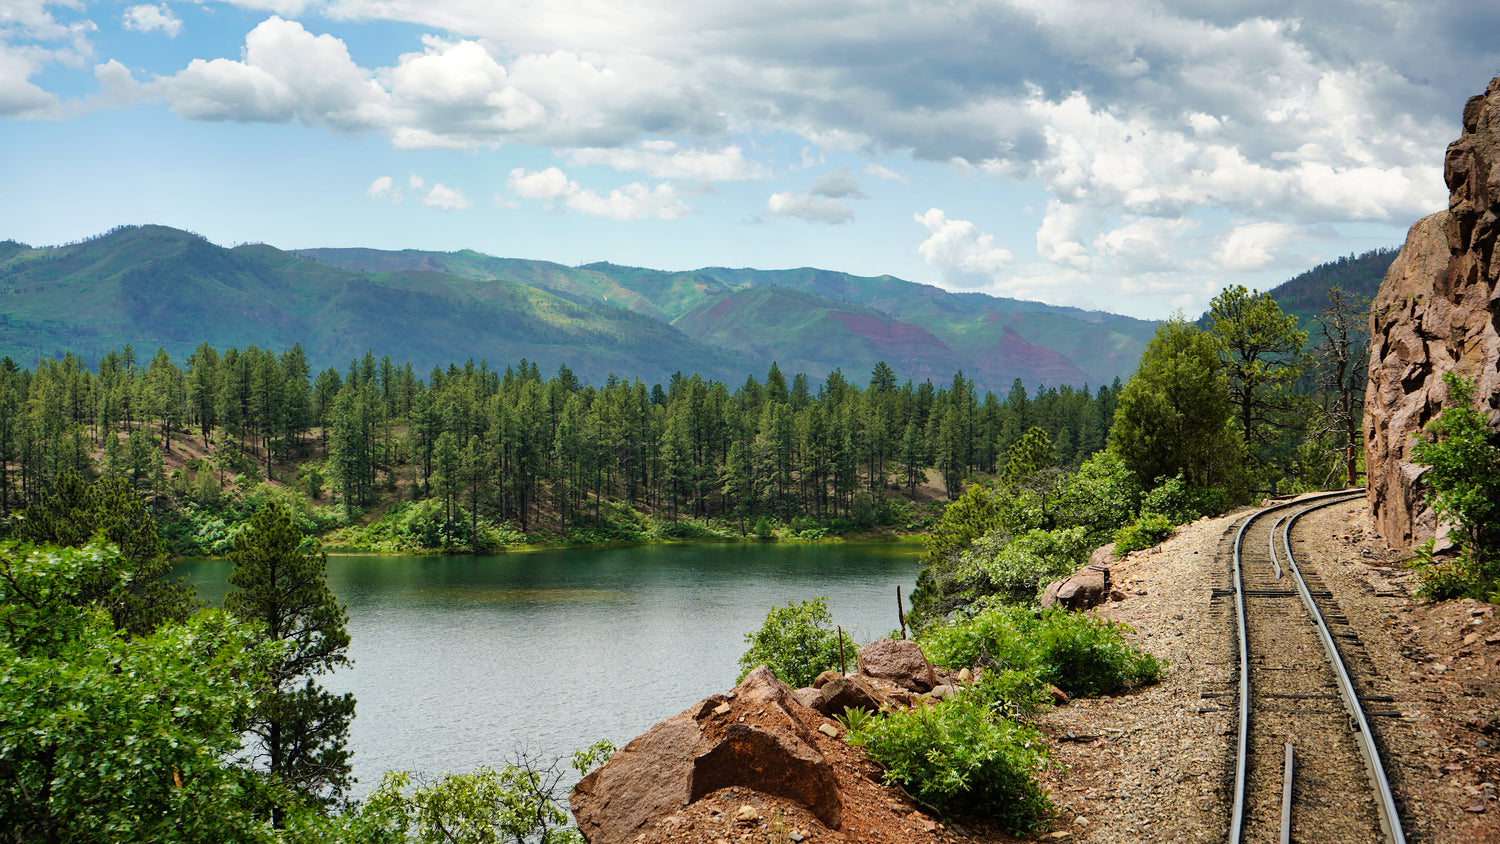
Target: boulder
{"type": "Point", "coordinates": [1436, 312]}
{"type": "Point", "coordinates": [942, 691]}
{"type": "Point", "coordinates": [848, 693]}
{"type": "Point", "coordinates": [1088, 587]}
{"type": "Point", "coordinates": [825, 678]}
{"type": "Point", "coordinates": [762, 743]}
{"type": "Point", "coordinates": [899, 660]}
{"type": "Point", "coordinates": [1104, 556]}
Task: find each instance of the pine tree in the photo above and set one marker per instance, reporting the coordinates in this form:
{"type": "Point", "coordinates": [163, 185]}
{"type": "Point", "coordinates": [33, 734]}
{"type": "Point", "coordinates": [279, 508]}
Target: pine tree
{"type": "Point", "coordinates": [298, 733]}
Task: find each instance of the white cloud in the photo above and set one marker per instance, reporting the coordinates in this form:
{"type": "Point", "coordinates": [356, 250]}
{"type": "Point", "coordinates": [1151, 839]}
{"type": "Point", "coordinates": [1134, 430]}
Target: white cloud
{"type": "Point", "coordinates": [809, 207]}
{"type": "Point", "coordinates": [152, 19]}
{"type": "Point", "coordinates": [966, 256]}
{"type": "Point", "coordinates": [838, 184]}
{"type": "Point", "coordinates": [634, 201]}
{"type": "Point", "coordinates": [384, 188]}
{"type": "Point", "coordinates": [1059, 239]}
{"type": "Point", "coordinates": [1252, 246]}
{"type": "Point", "coordinates": [448, 199]}
{"type": "Point", "coordinates": [667, 160]}
{"type": "Point", "coordinates": [885, 173]}
{"type": "Point", "coordinates": [823, 202]}
{"type": "Point", "coordinates": [287, 74]}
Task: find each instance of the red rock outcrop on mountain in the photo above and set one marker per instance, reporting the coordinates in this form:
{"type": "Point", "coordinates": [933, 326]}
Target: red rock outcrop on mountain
{"type": "Point", "coordinates": [1437, 311]}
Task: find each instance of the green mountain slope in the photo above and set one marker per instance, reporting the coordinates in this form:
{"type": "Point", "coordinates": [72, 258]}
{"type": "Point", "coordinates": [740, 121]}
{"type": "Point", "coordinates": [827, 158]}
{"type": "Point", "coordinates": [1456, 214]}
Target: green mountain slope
{"type": "Point", "coordinates": [836, 320]}
{"type": "Point", "coordinates": [1307, 294]}
{"type": "Point", "coordinates": [154, 285]}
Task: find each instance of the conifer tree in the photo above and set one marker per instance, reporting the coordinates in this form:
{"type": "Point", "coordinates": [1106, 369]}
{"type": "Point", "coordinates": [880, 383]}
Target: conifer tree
{"type": "Point", "coordinates": [298, 733]}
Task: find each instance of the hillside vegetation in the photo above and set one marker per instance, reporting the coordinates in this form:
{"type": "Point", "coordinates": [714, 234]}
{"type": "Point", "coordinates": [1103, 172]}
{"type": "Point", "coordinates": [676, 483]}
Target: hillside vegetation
{"type": "Point", "coordinates": [156, 286]}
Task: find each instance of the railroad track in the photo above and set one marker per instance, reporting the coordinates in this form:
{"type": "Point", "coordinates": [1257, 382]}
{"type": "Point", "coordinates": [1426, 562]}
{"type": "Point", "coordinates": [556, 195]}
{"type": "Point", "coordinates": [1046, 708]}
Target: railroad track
{"type": "Point", "coordinates": [1307, 767]}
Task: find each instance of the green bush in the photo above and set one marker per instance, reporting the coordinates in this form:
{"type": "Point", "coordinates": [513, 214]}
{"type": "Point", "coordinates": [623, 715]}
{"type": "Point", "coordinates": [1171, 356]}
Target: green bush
{"type": "Point", "coordinates": [1016, 569]}
{"type": "Point", "coordinates": [797, 643]}
{"type": "Point", "coordinates": [1464, 490]}
{"type": "Point", "coordinates": [1087, 656]}
{"type": "Point", "coordinates": [957, 756]}
{"type": "Point", "coordinates": [1100, 497]}
{"type": "Point", "coordinates": [1011, 693]}
{"type": "Point", "coordinates": [1181, 503]}
{"type": "Point", "coordinates": [1149, 530]}
{"type": "Point", "coordinates": [1079, 653]}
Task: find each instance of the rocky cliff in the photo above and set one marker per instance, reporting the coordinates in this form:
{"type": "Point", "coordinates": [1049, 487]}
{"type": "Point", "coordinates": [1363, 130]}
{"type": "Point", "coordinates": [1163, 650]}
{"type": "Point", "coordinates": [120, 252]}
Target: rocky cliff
{"type": "Point", "coordinates": [1438, 310]}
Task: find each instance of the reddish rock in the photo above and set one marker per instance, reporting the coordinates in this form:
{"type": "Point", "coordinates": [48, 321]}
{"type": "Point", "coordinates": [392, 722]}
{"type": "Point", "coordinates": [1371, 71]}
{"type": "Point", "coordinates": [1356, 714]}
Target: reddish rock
{"type": "Point", "coordinates": [899, 660]}
{"type": "Point", "coordinates": [1086, 588]}
{"type": "Point", "coordinates": [1436, 312]}
{"type": "Point", "coordinates": [825, 678]}
{"type": "Point", "coordinates": [762, 743]}
{"type": "Point", "coordinates": [848, 693]}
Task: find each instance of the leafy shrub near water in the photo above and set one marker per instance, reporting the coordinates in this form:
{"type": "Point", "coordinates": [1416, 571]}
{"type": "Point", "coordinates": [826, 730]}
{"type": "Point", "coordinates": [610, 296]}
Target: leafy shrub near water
{"type": "Point", "coordinates": [797, 643]}
{"type": "Point", "coordinates": [1016, 568]}
{"type": "Point", "coordinates": [1079, 653]}
{"type": "Point", "coordinates": [957, 756]}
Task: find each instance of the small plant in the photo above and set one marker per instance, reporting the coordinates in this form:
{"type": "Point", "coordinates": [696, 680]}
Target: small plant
{"type": "Point", "coordinates": [797, 643]}
{"type": "Point", "coordinates": [854, 719]}
{"type": "Point", "coordinates": [1180, 503]}
{"type": "Point", "coordinates": [779, 832]}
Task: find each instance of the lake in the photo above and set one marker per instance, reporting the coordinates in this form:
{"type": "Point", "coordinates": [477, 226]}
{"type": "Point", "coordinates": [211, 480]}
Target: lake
{"type": "Point", "coordinates": [462, 661]}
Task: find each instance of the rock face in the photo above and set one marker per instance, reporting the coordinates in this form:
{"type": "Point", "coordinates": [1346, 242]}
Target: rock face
{"type": "Point", "coordinates": [1438, 310]}
{"type": "Point", "coordinates": [757, 738]}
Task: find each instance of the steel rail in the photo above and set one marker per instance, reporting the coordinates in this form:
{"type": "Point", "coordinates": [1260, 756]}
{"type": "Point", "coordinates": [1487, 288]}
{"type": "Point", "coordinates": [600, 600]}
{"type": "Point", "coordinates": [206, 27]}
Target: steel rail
{"type": "Point", "coordinates": [1385, 805]}
{"type": "Point", "coordinates": [1237, 816]}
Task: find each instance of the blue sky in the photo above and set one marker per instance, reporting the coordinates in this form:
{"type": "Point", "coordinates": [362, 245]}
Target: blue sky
{"type": "Point", "coordinates": [1129, 156]}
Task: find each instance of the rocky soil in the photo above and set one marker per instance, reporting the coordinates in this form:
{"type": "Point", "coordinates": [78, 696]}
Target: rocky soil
{"type": "Point", "coordinates": [1156, 764]}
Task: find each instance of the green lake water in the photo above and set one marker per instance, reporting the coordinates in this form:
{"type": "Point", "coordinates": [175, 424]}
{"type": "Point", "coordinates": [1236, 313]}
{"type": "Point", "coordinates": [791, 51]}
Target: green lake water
{"type": "Point", "coordinates": [462, 661]}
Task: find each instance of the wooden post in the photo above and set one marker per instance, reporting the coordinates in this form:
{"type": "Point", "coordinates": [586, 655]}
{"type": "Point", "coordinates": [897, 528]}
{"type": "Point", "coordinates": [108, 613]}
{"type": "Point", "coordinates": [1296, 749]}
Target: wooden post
{"type": "Point", "coordinates": [900, 611]}
{"type": "Point", "coordinates": [843, 667]}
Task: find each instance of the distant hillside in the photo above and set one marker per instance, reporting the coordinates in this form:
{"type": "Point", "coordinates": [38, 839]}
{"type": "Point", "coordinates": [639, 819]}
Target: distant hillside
{"type": "Point", "coordinates": [156, 286]}
{"type": "Point", "coordinates": [811, 320]}
{"type": "Point", "coordinates": [1307, 294]}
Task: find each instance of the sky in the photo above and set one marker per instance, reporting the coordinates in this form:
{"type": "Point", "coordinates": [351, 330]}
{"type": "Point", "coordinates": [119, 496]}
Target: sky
{"type": "Point", "coordinates": [1128, 156]}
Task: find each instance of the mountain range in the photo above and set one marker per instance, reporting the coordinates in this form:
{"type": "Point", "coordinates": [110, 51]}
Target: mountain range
{"type": "Point", "coordinates": [157, 286]}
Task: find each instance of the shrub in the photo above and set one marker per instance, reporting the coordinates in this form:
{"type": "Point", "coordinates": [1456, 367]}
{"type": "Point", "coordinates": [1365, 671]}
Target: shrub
{"type": "Point", "coordinates": [1181, 503]}
{"type": "Point", "coordinates": [1149, 530]}
{"type": "Point", "coordinates": [1079, 653]}
{"type": "Point", "coordinates": [797, 643]}
{"type": "Point", "coordinates": [1100, 497]}
{"type": "Point", "coordinates": [1087, 656]}
{"type": "Point", "coordinates": [1016, 569]}
{"type": "Point", "coordinates": [957, 756]}
{"type": "Point", "coordinates": [1464, 490]}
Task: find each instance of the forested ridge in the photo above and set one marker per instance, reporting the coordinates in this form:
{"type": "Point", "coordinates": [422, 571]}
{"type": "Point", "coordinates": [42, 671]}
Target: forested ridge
{"type": "Point", "coordinates": [475, 457]}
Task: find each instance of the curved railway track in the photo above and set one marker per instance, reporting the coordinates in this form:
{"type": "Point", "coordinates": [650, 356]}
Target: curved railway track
{"type": "Point", "coordinates": [1307, 767]}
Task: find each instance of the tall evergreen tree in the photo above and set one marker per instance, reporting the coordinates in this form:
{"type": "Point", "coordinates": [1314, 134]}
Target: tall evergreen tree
{"type": "Point", "coordinates": [298, 733]}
